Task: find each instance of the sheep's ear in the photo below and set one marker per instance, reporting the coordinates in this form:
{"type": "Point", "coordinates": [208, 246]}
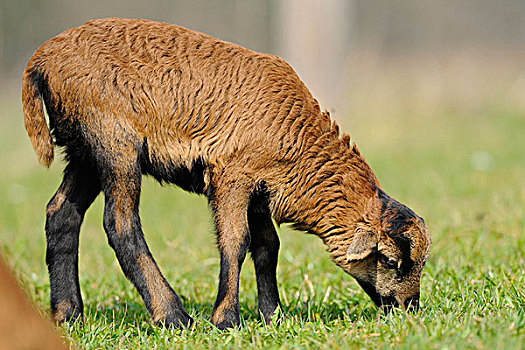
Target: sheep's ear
{"type": "Point", "coordinates": [363, 244]}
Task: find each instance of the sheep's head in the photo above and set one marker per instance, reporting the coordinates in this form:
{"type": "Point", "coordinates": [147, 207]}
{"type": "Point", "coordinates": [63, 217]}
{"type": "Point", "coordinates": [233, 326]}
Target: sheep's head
{"type": "Point", "coordinates": [388, 251]}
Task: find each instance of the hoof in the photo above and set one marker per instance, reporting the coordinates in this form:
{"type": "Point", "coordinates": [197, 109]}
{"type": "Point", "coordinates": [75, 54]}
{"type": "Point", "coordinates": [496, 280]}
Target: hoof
{"type": "Point", "coordinates": [229, 319]}
{"type": "Point", "coordinates": [226, 324]}
{"type": "Point", "coordinates": [271, 315]}
{"type": "Point", "coordinates": [177, 319]}
{"type": "Point", "coordinates": [66, 312]}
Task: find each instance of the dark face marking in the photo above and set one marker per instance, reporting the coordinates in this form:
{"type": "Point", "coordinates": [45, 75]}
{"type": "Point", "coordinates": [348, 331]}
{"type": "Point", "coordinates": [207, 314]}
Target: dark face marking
{"type": "Point", "coordinates": [403, 243]}
{"type": "Point", "coordinates": [398, 218]}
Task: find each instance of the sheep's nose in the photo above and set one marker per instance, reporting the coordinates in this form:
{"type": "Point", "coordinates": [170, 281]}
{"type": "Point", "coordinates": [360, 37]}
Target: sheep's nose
{"type": "Point", "coordinates": [412, 303]}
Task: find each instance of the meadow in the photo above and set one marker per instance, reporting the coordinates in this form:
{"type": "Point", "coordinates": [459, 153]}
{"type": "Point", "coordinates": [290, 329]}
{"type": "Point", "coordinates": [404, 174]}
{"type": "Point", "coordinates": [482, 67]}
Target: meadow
{"type": "Point", "coordinates": [462, 170]}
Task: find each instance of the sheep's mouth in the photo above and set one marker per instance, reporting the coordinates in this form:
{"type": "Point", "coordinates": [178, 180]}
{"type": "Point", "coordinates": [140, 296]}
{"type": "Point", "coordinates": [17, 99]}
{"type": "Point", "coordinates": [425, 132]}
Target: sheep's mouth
{"type": "Point", "coordinates": [388, 304]}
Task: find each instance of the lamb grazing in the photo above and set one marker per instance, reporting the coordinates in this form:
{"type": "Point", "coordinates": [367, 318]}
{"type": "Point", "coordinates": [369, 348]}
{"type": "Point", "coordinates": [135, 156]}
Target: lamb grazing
{"type": "Point", "coordinates": [132, 97]}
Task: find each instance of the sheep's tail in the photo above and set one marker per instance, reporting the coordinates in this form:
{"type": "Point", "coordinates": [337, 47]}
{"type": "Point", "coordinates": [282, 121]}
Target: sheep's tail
{"type": "Point", "coordinates": [34, 118]}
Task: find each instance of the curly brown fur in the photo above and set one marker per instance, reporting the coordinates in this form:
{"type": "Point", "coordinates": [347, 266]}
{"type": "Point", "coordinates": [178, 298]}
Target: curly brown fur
{"type": "Point", "coordinates": [132, 97]}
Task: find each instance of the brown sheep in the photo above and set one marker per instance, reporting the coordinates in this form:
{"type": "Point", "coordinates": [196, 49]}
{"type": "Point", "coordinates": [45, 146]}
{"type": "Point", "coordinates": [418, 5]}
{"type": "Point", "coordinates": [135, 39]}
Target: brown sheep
{"type": "Point", "coordinates": [132, 97]}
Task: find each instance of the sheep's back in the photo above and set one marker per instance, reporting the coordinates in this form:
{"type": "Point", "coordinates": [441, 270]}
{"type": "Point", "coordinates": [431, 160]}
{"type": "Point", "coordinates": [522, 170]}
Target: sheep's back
{"type": "Point", "coordinates": [183, 91]}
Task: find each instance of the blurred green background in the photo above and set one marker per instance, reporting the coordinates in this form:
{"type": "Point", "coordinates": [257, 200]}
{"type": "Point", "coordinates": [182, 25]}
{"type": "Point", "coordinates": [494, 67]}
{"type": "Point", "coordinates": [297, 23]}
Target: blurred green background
{"type": "Point", "coordinates": [432, 92]}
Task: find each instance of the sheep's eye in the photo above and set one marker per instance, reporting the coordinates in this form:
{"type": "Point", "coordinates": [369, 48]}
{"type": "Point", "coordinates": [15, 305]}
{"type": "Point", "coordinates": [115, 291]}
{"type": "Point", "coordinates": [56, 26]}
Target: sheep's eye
{"type": "Point", "coordinates": [387, 262]}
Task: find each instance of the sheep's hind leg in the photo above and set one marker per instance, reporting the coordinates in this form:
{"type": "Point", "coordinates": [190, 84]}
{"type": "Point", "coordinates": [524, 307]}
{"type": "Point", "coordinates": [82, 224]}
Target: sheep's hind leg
{"type": "Point", "coordinates": [122, 225]}
{"type": "Point", "coordinates": [64, 216]}
{"type": "Point", "coordinates": [264, 248]}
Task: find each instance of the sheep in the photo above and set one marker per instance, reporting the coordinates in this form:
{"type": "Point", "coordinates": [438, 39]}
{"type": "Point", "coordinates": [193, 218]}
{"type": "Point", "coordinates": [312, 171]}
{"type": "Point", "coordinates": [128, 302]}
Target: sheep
{"type": "Point", "coordinates": [129, 97]}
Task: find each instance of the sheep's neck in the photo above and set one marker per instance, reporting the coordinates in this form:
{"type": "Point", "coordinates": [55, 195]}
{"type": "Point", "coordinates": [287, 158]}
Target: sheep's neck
{"type": "Point", "coordinates": [327, 193]}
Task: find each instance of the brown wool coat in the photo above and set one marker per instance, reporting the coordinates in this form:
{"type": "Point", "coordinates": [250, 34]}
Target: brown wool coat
{"type": "Point", "coordinates": [237, 109]}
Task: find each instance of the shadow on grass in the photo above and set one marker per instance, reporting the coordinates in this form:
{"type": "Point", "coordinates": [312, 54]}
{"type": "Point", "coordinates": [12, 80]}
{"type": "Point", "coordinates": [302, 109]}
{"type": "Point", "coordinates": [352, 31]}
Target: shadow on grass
{"type": "Point", "coordinates": [127, 312]}
{"type": "Point", "coordinates": [133, 312]}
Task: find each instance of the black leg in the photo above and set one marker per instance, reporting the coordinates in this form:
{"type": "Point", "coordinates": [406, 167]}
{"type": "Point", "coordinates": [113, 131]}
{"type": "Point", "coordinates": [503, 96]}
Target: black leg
{"type": "Point", "coordinates": [65, 213]}
{"type": "Point", "coordinates": [123, 227]}
{"type": "Point", "coordinates": [264, 248]}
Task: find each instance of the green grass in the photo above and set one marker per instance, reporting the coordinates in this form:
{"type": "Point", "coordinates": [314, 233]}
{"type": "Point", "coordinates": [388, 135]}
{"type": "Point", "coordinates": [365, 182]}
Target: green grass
{"type": "Point", "coordinates": [463, 172]}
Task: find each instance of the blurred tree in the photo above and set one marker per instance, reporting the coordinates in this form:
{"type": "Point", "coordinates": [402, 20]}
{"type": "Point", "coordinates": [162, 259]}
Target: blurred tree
{"type": "Point", "coordinates": [314, 38]}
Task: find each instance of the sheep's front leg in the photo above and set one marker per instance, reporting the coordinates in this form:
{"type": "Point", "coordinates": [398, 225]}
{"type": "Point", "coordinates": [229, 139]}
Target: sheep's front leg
{"type": "Point", "coordinates": [229, 202]}
{"type": "Point", "coordinates": [264, 247]}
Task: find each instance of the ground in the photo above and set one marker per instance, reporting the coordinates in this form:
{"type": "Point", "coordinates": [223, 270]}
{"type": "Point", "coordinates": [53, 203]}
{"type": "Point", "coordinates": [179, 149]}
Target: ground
{"type": "Point", "coordinates": [463, 171]}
